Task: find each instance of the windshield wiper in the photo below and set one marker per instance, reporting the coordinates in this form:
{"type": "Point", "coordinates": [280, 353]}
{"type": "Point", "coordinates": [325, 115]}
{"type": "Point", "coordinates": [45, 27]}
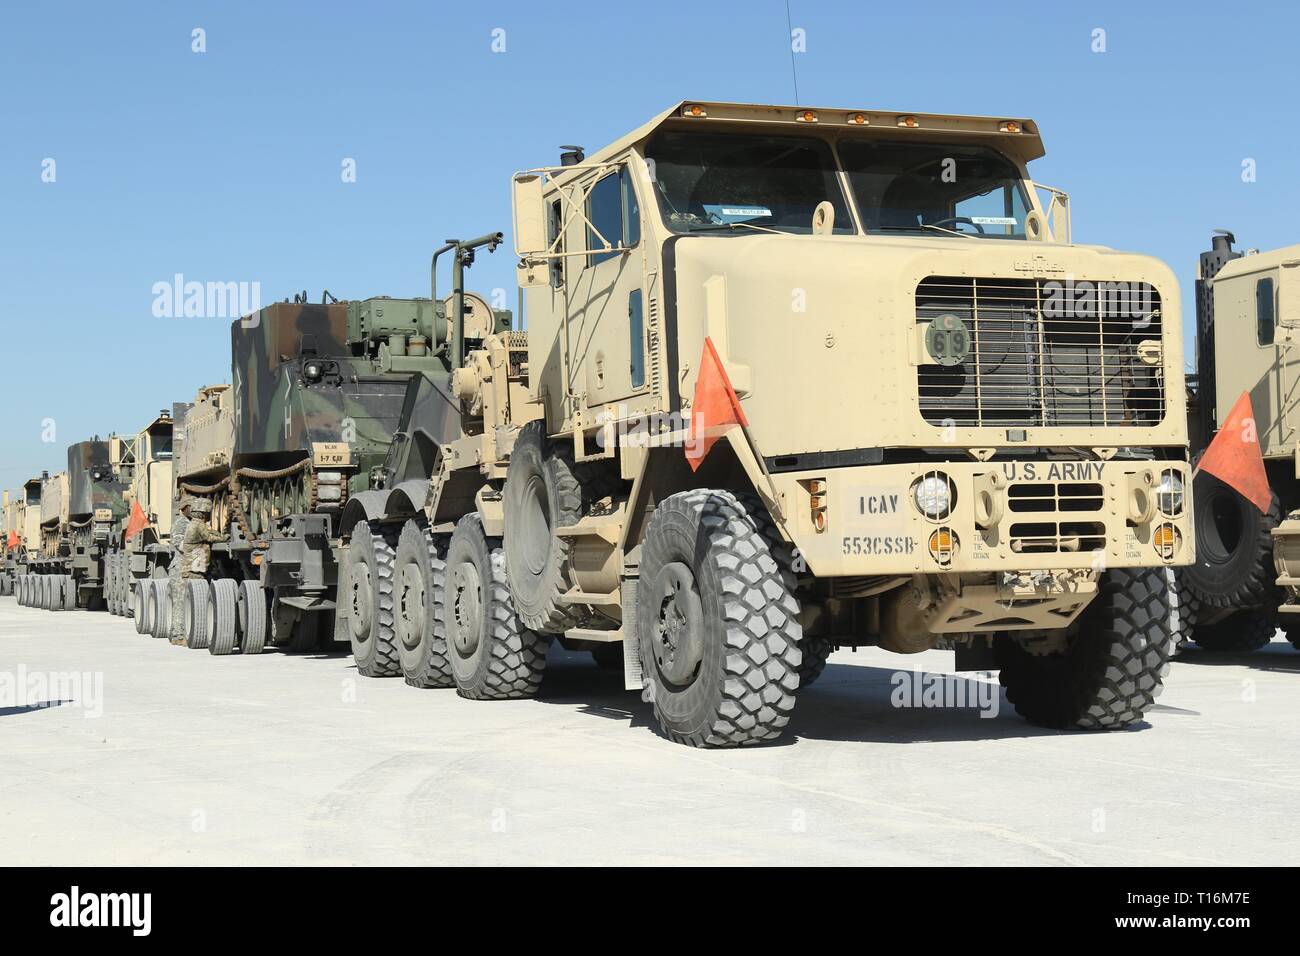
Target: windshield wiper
{"type": "Point", "coordinates": [926, 225]}
{"type": "Point", "coordinates": [733, 226]}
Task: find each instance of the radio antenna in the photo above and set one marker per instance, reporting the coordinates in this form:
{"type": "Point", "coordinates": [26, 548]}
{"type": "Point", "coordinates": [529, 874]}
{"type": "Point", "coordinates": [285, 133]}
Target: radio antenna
{"type": "Point", "coordinates": [789, 31]}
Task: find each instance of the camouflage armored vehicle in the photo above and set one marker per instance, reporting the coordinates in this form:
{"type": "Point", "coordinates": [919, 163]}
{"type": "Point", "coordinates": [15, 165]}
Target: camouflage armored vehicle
{"type": "Point", "coordinates": [796, 379]}
{"type": "Point", "coordinates": [78, 510]}
{"type": "Point", "coordinates": [1245, 582]}
{"type": "Point", "coordinates": [317, 393]}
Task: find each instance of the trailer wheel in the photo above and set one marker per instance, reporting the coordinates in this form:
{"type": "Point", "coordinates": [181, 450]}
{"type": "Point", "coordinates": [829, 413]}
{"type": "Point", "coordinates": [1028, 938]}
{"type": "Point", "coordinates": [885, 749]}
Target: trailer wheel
{"type": "Point", "coordinates": [419, 579]}
{"type": "Point", "coordinates": [197, 596]}
{"type": "Point", "coordinates": [223, 615]}
{"type": "Point", "coordinates": [1234, 547]}
{"type": "Point", "coordinates": [370, 593]}
{"type": "Point", "coordinates": [542, 493]}
{"type": "Point", "coordinates": [116, 585]}
{"type": "Point", "coordinates": [141, 615]}
{"type": "Point", "coordinates": [160, 611]}
{"type": "Point", "coordinates": [252, 616]}
{"type": "Point", "coordinates": [1242, 632]}
{"type": "Point", "coordinates": [493, 655]}
{"type": "Point", "coordinates": [1112, 664]}
{"type": "Point", "coordinates": [717, 622]}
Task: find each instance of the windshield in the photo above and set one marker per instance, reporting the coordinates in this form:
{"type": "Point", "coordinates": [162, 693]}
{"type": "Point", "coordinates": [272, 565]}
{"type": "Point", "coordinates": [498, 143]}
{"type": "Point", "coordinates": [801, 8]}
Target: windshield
{"type": "Point", "coordinates": [929, 187]}
{"type": "Point", "coordinates": [722, 181]}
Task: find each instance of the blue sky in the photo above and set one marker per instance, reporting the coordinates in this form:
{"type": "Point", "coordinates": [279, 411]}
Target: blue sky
{"type": "Point", "coordinates": [225, 165]}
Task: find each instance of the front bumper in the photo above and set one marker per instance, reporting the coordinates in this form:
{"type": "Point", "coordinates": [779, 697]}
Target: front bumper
{"type": "Point", "coordinates": [1005, 516]}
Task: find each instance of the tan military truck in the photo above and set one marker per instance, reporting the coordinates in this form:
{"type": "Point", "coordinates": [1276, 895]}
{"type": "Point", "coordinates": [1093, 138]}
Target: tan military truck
{"type": "Point", "coordinates": [141, 551]}
{"type": "Point", "coordinates": [11, 519]}
{"type": "Point", "coordinates": [953, 426]}
{"type": "Point", "coordinates": [27, 522]}
{"type": "Point", "coordinates": [1245, 582]}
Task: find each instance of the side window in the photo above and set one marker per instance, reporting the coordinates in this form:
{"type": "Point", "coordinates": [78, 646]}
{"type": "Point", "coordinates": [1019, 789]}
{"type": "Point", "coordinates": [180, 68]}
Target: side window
{"type": "Point", "coordinates": [553, 223]}
{"type": "Point", "coordinates": [613, 209]}
{"type": "Point", "coordinates": [1265, 319]}
{"type": "Point", "coordinates": [605, 213]}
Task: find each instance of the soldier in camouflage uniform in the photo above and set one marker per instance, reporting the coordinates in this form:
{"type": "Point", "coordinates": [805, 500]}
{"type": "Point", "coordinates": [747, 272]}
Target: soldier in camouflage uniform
{"type": "Point", "coordinates": [196, 546]}
{"type": "Point", "coordinates": [180, 524]}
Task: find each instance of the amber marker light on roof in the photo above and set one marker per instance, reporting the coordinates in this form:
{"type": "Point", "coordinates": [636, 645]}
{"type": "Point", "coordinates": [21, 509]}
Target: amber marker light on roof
{"type": "Point", "coordinates": [807, 116]}
{"type": "Point", "coordinates": [1010, 126]}
{"type": "Point", "coordinates": [858, 119]}
{"type": "Point", "coordinates": [908, 121]}
{"type": "Point", "coordinates": [694, 110]}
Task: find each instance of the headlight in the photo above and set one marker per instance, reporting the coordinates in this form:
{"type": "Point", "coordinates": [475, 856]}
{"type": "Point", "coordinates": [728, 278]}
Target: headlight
{"type": "Point", "coordinates": [933, 495]}
{"type": "Point", "coordinates": [1169, 493]}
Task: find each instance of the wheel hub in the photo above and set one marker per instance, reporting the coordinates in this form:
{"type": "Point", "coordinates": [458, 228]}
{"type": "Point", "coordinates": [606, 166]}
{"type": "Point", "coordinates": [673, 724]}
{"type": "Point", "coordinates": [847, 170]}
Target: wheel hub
{"type": "Point", "coordinates": [679, 630]}
{"type": "Point", "coordinates": [466, 598]}
{"type": "Point", "coordinates": [361, 602]}
{"type": "Point", "coordinates": [537, 525]}
{"type": "Point", "coordinates": [410, 607]}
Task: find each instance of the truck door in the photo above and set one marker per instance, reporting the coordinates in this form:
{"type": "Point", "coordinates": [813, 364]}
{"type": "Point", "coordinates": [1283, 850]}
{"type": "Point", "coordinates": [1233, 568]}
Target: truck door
{"type": "Point", "coordinates": [606, 308]}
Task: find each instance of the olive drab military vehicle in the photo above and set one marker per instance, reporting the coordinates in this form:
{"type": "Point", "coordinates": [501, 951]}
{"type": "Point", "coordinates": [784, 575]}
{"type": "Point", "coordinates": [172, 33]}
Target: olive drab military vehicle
{"type": "Point", "coordinates": [796, 379]}
{"type": "Point", "coordinates": [78, 509]}
{"type": "Point", "coordinates": [1245, 582]}
{"type": "Point", "coordinates": [306, 424]}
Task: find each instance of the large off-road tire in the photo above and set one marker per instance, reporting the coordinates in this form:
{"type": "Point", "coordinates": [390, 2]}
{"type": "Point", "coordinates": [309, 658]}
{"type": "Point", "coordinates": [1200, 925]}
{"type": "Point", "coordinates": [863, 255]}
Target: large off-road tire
{"type": "Point", "coordinates": [1113, 664]}
{"type": "Point", "coordinates": [1234, 547]}
{"type": "Point", "coordinates": [223, 617]}
{"type": "Point", "coordinates": [1239, 633]}
{"type": "Point", "coordinates": [1184, 608]}
{"type": "Point", "coordinates": [542, 493]}
{"type": "Point", "coordinates": [197, 596]}
{"type": "Point", "coordinates": [717, 622]}
{"type": "Point", "coordinates": [253, 619]}
{"type": "Point", "coordinates": [419, 577]}
{"type": "Point", "coordinates": [816, 651]}
{"type": "Point", "coordinates": [1292, 632]}
{"type": "Point", "coordinates": [493, 656]}
{"type": "Point", "coordinates": [370, 597]}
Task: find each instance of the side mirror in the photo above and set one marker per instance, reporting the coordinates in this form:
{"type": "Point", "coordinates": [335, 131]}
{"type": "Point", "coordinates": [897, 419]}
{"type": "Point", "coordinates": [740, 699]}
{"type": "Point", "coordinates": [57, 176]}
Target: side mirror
{"type": "Point", "coordinates": [529, 212]}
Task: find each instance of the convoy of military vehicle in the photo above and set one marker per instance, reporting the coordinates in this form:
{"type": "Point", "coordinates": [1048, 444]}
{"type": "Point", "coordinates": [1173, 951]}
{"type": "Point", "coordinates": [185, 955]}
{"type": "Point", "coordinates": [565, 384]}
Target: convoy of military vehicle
{"type": "Point", "coordinates": [789, 380]}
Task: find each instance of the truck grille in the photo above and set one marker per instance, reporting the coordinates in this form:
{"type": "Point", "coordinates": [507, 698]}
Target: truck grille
{"type": "Point", "coordinates": [1042, 352]}
{"type": "Point", "coordinates": [1058, 510]}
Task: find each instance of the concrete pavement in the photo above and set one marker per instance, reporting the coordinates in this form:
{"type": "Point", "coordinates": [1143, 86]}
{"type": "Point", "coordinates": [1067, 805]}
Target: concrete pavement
{"type": "Point", "coordinates": [168, 756]}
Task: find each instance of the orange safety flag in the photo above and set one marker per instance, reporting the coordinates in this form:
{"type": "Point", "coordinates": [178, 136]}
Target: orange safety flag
{"type": "Point", "coordinates": [138, 521]}
{"type": "Point", "coordinates": [13, 541]}
{"type": "Point", "coordinates": [1235, 459]}
{"type": "Point", "coordinates": [716, 407]}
